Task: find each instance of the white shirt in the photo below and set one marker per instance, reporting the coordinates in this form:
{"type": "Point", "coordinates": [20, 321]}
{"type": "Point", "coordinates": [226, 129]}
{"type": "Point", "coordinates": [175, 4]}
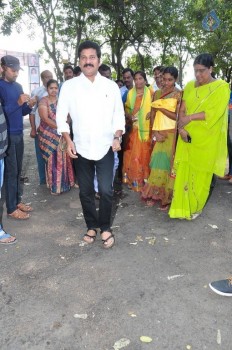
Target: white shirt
{"type": "Point", "coordinates": [97, 113]}
{"type": "Point", "coordinates": [155, 87]}
{"type": "Point", "coordinates": [40, 92]}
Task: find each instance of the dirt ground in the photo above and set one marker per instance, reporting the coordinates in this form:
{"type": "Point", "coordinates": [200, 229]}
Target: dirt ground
{"type": "Point", "coordinates": [58, 294]}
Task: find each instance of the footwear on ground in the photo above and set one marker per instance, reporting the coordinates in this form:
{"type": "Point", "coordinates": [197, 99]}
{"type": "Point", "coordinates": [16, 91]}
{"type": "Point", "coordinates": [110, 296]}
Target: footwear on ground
{"type": "Point", "coordinates": [222, 287]}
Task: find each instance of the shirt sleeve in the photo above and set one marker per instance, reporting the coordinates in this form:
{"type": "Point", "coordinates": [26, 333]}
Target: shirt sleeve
{"type": "Point", "coordinates": [63, 111]}
{"type": "Point", "coordinates": [26, 109]}
{"type": "Point", "coordinates": [118, 116]}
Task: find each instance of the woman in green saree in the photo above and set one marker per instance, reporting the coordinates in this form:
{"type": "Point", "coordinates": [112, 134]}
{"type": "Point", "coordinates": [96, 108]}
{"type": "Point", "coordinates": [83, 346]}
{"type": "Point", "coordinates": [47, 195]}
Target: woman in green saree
{"type": "Point", "coordinates": [202, 147]}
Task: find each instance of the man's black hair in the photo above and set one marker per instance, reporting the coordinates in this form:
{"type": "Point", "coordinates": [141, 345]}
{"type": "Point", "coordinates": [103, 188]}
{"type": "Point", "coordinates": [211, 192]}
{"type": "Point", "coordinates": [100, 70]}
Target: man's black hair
{"type": "Point", "coordinates": [125, 70]}
{"type": "Point", "coordinates": [76, 70]}
{"type": "Point", "coordinates": [67, 66]}
{"type": "Point", "coordinates": [104, 68]}
{"type": "Point", "coordinates": [159, 68]}
{"type": "Point", "coordinates": [89, 45]}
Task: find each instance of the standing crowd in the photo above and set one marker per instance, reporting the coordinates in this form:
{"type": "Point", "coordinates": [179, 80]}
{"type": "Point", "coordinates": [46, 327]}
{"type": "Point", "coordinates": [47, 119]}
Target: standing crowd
{"type": "Point", "coordinates": [166, 144]}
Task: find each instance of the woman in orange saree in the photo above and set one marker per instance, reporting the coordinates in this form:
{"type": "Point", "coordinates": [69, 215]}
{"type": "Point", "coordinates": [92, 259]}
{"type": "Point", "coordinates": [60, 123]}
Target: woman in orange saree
{"type": "Point", "coordinates": [138, 144]}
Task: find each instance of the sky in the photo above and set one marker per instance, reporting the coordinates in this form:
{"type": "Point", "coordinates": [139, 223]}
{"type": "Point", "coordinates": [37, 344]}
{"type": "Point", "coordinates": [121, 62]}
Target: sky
{"type": "Point", "coordinates": [21, 42]}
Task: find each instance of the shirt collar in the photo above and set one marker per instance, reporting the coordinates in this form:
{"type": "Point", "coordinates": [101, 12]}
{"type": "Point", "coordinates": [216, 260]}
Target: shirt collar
{"type": "Point", "coordinates": [97, 78]}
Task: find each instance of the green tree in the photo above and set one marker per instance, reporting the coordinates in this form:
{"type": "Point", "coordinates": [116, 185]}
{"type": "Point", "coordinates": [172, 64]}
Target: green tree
{"type": "Point", "coordinates": [172, 37]}
{"type": "Point", "coordinates": [127, 24]}
{"type": "Point", "coordinates": [217, 42]}
{"type": "Point", "coordinates": [63, 25]}
{"type": "Point", "coordinates": [159, 32]}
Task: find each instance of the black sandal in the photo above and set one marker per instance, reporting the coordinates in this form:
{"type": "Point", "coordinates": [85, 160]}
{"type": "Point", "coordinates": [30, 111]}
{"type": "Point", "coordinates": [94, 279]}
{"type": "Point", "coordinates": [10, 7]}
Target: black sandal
{"type": "Point", "coordinates": [92, 237]}
{"type": "Point", "coordinates": [106, 240]}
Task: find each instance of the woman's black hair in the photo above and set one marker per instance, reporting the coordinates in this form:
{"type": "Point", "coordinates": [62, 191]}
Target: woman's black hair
{"type": "Point", "coordinates": [171, 70]}
{"type": "Point", "coordinates": [89, 45]}
{"type": "Point", "coordinates": [52, 81]}
{"type": "Point", "coordinates": [143, 74]}
{"type": "Point", "coordinates": [205, 59]}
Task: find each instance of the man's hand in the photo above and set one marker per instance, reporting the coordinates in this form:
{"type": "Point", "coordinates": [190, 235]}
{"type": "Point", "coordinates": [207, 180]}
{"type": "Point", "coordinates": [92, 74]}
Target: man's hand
{"type": "Point", "coordinates": [23, 98]}
{"type": "Point", "coordinates": [32, 101]}
{"type": "Point", "coordinates": [33, 133]}
{"type": "Point", "coordinates": [116, 146]}
{"type": "Point", "coordinates": [71, 150]}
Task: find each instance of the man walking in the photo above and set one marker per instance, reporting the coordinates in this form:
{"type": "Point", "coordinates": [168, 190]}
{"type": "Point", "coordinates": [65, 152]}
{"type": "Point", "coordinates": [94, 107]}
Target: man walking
{"type": "Point", "coordinates": [95, 106]}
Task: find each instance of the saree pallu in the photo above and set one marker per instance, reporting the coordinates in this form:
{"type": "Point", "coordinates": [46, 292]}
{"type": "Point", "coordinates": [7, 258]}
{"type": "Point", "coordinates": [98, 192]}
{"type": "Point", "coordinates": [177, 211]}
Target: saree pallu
{"type": "Point", "coordinates": [137, 149]}
{"type": "Point", "coordinates": [159, 186]}
{"type": "Point", "coordinates": [196, 162]}
{"type": "Point", "coordinates": [162, 122]}
{"type": "Point", "coordinates": [136, 161]}
{"type": "Point", "coordinates": [59, 169]}
{"type": "Point", "coordinates": [140, 106]}
{"type": "Point", "coordinates": [48, 140]}
{"type": "Point", "coordinates": [59, 174]}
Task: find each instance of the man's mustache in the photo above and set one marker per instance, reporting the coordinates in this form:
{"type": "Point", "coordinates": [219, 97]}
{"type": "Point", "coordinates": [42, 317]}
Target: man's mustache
{"type": "Point", "coordinates": [88, 65]}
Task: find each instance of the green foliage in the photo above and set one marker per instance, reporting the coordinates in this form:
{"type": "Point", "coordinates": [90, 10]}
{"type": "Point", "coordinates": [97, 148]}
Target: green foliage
{"type": "Point", "coordinates": [218, 42]}
{"type": "Point", "coordinates": [134, 63]}
{"type": "Point", "coordinates": [156, 32]}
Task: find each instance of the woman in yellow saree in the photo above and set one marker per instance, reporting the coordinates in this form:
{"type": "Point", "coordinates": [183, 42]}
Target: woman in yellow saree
{"type": "Point", "coordinates": [138, 144]}
{"type": "Point", "coordinates": [164, 109]}
{"type": "Point", "coordinates": [202, 144]}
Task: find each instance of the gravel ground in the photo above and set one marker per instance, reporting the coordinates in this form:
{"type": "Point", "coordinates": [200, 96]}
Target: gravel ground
{"type": "Point", "coordinates": [58, 294]}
